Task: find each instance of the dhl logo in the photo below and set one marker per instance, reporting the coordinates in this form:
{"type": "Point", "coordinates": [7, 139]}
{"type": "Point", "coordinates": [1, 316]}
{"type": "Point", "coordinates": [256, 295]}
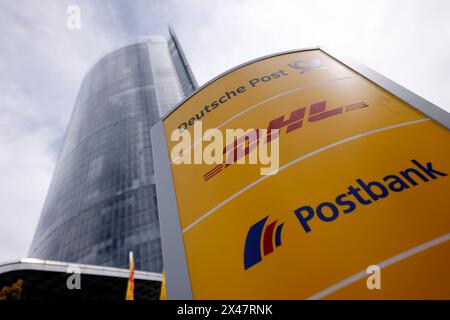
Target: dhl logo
{"type": "Point", "coordinates": [246, 143]}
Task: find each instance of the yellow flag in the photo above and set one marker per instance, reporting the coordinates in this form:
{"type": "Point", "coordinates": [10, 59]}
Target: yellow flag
{"type": "Point", "coordinates": [163, 294]}
{"type": "Point", "coordinates": [130, 287]}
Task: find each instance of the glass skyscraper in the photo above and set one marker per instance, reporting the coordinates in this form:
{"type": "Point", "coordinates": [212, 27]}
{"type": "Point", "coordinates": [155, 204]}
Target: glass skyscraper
{"type": "Point", "coordinates": [102, 199]}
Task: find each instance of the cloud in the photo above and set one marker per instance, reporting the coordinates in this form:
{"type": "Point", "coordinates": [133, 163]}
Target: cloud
{"type": "Point", "coordinates": [402, 39]}
{"type": "Point", "coordinates": [26, 164]}
{"type": "Point", "coordinates": [42, 65]}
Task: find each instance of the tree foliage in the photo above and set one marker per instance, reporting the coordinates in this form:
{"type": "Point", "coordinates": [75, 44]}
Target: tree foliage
{"type": "Point", "coordinates": [13, 292]}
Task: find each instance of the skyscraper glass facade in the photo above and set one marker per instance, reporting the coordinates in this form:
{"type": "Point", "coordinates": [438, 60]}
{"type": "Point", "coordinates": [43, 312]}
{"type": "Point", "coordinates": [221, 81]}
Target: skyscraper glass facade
{"type": "Point", "coordinates": [102, 199]}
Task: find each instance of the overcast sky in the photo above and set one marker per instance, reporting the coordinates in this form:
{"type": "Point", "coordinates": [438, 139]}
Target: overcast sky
{"type": "Point", "coordinates": [42, 64]}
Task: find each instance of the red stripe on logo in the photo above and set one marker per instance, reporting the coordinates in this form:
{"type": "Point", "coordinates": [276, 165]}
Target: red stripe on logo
{"type": "Point", "coordinates": [356, 106]}
{"type": "Point", "coordinates": [213, 172]}
{"type": "Point", "coordinates": [268, 236]}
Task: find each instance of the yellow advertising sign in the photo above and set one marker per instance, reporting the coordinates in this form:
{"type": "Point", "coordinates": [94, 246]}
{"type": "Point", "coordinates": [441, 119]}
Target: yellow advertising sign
{"type": "Point", "coordinates": [358, 206]}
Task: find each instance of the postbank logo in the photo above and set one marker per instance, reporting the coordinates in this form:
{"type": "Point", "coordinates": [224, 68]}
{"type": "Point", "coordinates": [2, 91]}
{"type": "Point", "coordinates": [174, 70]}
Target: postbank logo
{"type": "Point", "coordinates": [359, 194]}
{"type": "Point", "coordinates": [269, 236]}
